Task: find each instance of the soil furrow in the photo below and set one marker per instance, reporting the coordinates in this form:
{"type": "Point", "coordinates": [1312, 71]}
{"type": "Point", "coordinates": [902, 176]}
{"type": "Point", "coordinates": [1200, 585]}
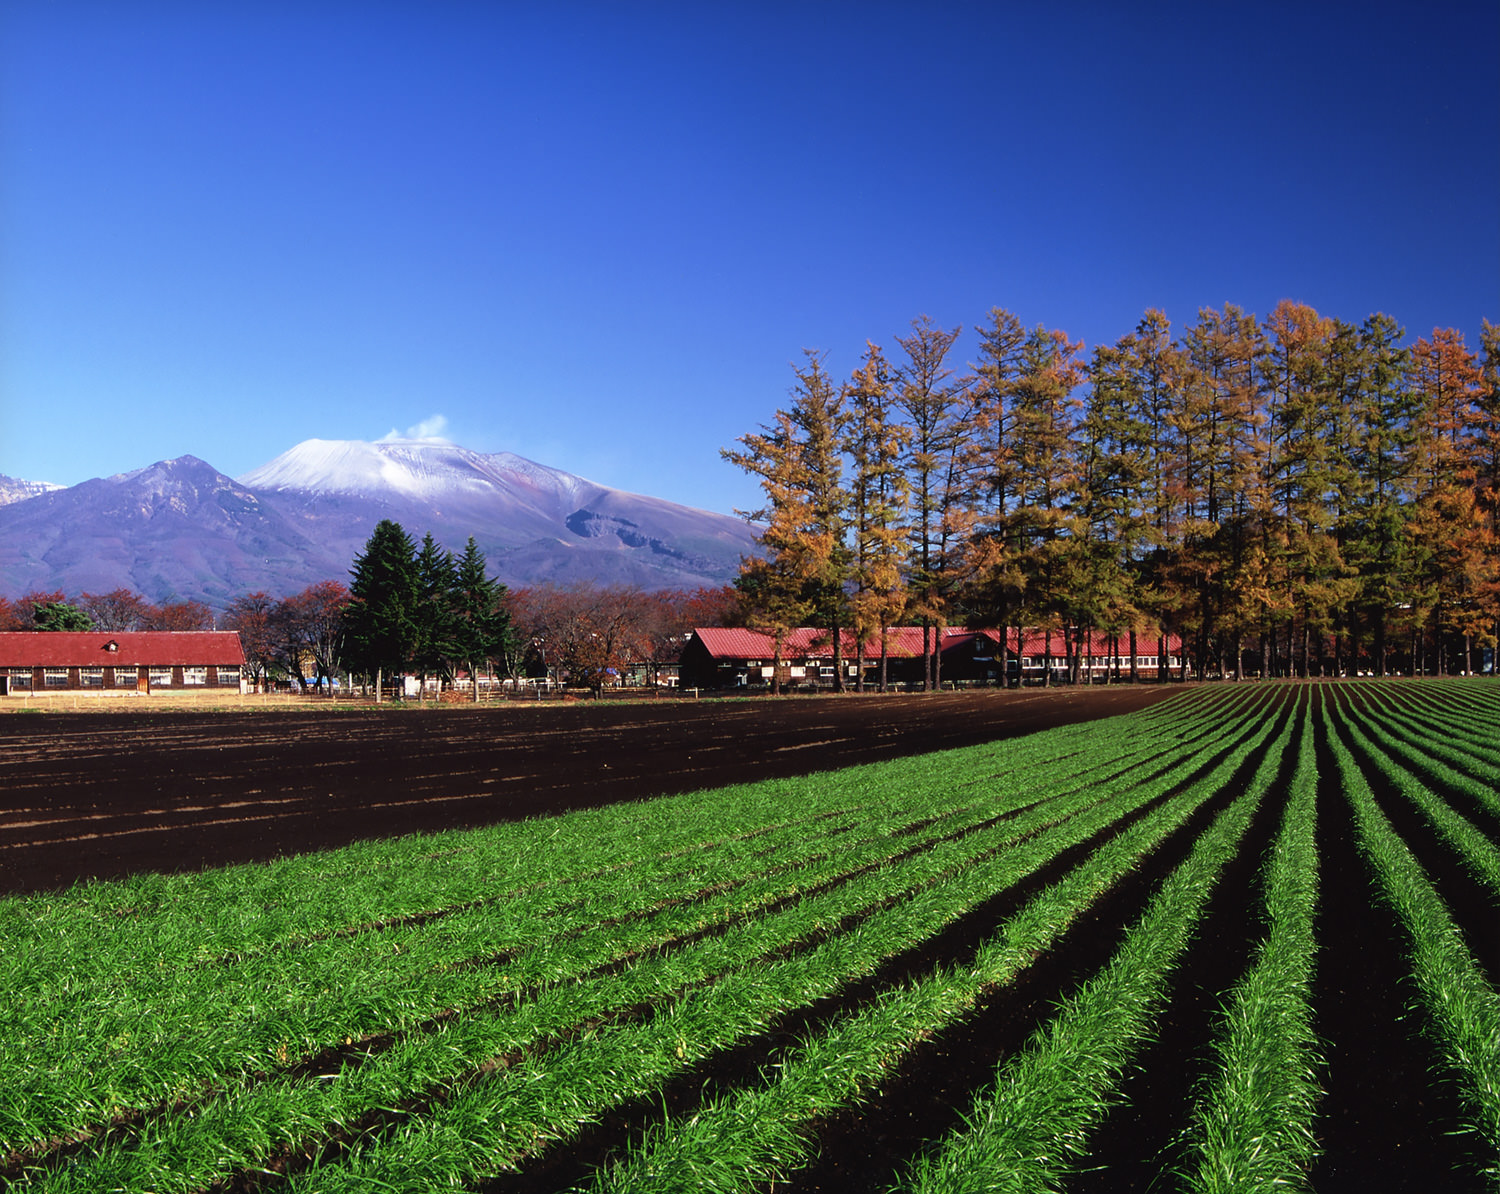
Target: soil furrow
{"type": "Point", "coordinates": [1387, 1120]}
{"type": "Point", "coordinates": [1471, 904]}
{"type": "Point", "coordinates": [1137, 1144]}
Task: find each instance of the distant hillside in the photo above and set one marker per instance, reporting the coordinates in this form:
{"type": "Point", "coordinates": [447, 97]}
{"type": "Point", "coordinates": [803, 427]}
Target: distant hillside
{"type": "Point", "coordinates": [182, 530]}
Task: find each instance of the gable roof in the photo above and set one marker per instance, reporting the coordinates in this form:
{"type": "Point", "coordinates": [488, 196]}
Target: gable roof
{"type": "Point", "coordinates": [65, 648]}
{"type": "Point", "coordinates": [807, 642]}
{"type": "Point", "coordinates": [905, 642]}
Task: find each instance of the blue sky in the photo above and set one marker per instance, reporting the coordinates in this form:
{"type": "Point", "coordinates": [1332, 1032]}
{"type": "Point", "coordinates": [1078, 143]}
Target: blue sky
{"type": "Point", "coordinates": [599, 235]}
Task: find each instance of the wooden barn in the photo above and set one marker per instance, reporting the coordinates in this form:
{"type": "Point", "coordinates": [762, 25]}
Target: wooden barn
{"type": "Point", "coordinates": [38, 662]}
{"type": "Point", "coordinates": [731, 657]}
{"type": "Point", "coordinates": [721, 657]}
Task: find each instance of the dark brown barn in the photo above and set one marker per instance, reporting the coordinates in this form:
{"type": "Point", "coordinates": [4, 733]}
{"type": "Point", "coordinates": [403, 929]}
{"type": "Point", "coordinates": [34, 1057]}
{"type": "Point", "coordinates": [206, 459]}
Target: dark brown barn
{"type": "Point", "coordinates": [720, 657]}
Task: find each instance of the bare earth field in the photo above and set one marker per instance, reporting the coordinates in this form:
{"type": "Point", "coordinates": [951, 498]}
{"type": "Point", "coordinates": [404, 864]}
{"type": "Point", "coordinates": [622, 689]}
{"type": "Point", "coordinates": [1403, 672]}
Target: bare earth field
{"type": "Point", "coordinates": [106, 794]}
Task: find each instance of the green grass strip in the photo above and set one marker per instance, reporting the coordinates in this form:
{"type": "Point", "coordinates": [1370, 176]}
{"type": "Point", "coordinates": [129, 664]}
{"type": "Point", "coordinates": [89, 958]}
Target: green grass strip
{"type": "Point", "coordinates": [1253, 1131]}
{"type": "Point", "coordinates": [1463, 1010]}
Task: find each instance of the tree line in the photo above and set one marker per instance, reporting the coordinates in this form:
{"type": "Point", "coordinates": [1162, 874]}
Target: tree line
{"type": "Point", "coordinates": [119, 609]}
{"type": "Point", "coordinates": [1294, 496]}
{"type": "Point", "coordinates": [415, 608]}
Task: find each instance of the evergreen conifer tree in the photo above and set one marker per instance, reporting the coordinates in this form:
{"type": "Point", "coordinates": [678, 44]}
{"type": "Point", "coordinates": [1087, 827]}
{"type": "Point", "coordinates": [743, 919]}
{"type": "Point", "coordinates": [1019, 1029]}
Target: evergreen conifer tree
{"type": "Point", "coordinates": [382, 629]}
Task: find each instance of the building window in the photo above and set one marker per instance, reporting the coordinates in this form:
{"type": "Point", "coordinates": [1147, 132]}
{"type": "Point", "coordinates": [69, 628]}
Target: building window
{"type": "Point", "coordinates": [91, 677]}
{"type": "Point", "coordinates": [20, 677]}
{"type": "Point", "coordinates": [195, 675]}
{"type": "Point", "coordinates": [229, 677]}
{"type": "Point", "coordinates": [161, 677]}
{"type": "Point", "coordinates": [56, 677]}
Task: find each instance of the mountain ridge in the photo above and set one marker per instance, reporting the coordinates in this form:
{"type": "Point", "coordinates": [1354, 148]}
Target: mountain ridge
{"type": "Point", "coordinates": [179, 529]}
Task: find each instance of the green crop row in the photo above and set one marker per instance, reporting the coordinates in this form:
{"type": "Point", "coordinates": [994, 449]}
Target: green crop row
{"type": "Point", "coordinates": [758, 1134]}
{"type": "Point", "coordinates": [268, 905]}
{"type": "Point", "coordinates": [341, 989]}
{"type": "Point", "coordinates": [1031, 1127]}
{"type": "Point", "coordinates": [339, 1100]}
{"type": "Point", "coordinates": [1465, 731]}
{"type": "Point", "coordinates": [1462, 1008]}
{"type": "Point", "coordinates": [1431, 753]}
{"type": "Point", "coordinates": [504, 1121]}
{"type": "Point", "coordinates": [441, 1010]}
{"type": "Point", "coordinates": [1477, 852]}
{"type": "Point", "coordinates": [1254, 1129]}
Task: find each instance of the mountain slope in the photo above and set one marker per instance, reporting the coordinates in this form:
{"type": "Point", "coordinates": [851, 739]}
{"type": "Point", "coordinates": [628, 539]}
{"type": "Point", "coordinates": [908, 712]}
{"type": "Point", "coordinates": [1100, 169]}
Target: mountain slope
{"type": "Point", "coordinates": [180, 529]}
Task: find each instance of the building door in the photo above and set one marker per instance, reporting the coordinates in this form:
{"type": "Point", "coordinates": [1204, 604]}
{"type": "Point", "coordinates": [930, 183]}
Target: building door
{"type": "Point", "coordinates": [142, 680]}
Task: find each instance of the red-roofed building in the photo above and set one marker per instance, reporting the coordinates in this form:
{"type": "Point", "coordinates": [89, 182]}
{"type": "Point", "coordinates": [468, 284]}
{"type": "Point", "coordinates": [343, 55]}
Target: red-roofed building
{"type": "Point", "coordinates": [104, 661]}
{"type": "Point", "coordinates": [723, 657]}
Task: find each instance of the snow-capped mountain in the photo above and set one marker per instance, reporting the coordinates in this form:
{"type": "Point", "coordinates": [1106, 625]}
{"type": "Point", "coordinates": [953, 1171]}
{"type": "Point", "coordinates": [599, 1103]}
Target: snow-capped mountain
{"type": "Point", "coordinates": [425, 468]}
{"type": "Point", "coordinates": [13, 489]}
{"type": "Point", "coordinates": [180, 529]}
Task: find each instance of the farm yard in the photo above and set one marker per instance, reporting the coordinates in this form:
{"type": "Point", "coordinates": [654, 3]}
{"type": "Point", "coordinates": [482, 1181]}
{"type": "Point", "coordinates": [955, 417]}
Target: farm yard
{"type": "Point", "coordinates": [1231, 938]}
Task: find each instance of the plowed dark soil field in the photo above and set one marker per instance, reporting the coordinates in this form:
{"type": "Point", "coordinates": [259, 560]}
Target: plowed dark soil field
{"type": "Point", "coordinates": [102, 795]}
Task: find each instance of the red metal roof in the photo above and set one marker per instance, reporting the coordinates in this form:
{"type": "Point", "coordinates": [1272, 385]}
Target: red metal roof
{"type": "Point", "coordinates": [63, 648]}
{"type": "Point", "coordinates": [905, 642]}
{"type": "Point", "coordinates": [806, 642]}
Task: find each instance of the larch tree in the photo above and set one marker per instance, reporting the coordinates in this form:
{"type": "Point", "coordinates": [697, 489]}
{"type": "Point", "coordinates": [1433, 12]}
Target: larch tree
{"type": "Point", "coordinates": [1044, 413]}
{"type": "Point", "coordinates": [1224, 534]}
{"type": "Point", "coordinates": [1447, 525]}
{"type": "Point", "coordinates": [1486, 452]}
{"type": "Point", "coordinates": [878, 496]}
{"type": "Point", "coordinates": [996, 580]}
{"type": "Point", "coordinates": [936, 411]}
{"type": "Point", "coordinates": [1297, 370]}
{"type": "Point", "coordinates": [1383, 408]}
{"type": "Point", "coordinates": [1158, 384]}
{"type": "Point", "coordinates": [1114, 466]}
{"type": "Point", "coordinates": [797, 460]}
{"type": "Point", "coordinates": [818, 414]}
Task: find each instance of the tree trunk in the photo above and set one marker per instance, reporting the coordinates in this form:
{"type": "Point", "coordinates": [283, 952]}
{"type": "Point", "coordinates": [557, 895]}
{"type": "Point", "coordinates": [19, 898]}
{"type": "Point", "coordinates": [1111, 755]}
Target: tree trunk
{"type": "Point", "coordinates": [926, 654]}
{"type": "Point", "coordinates": [1135, 667]}
{"type": "Point", "coordinates": [838, 656]}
